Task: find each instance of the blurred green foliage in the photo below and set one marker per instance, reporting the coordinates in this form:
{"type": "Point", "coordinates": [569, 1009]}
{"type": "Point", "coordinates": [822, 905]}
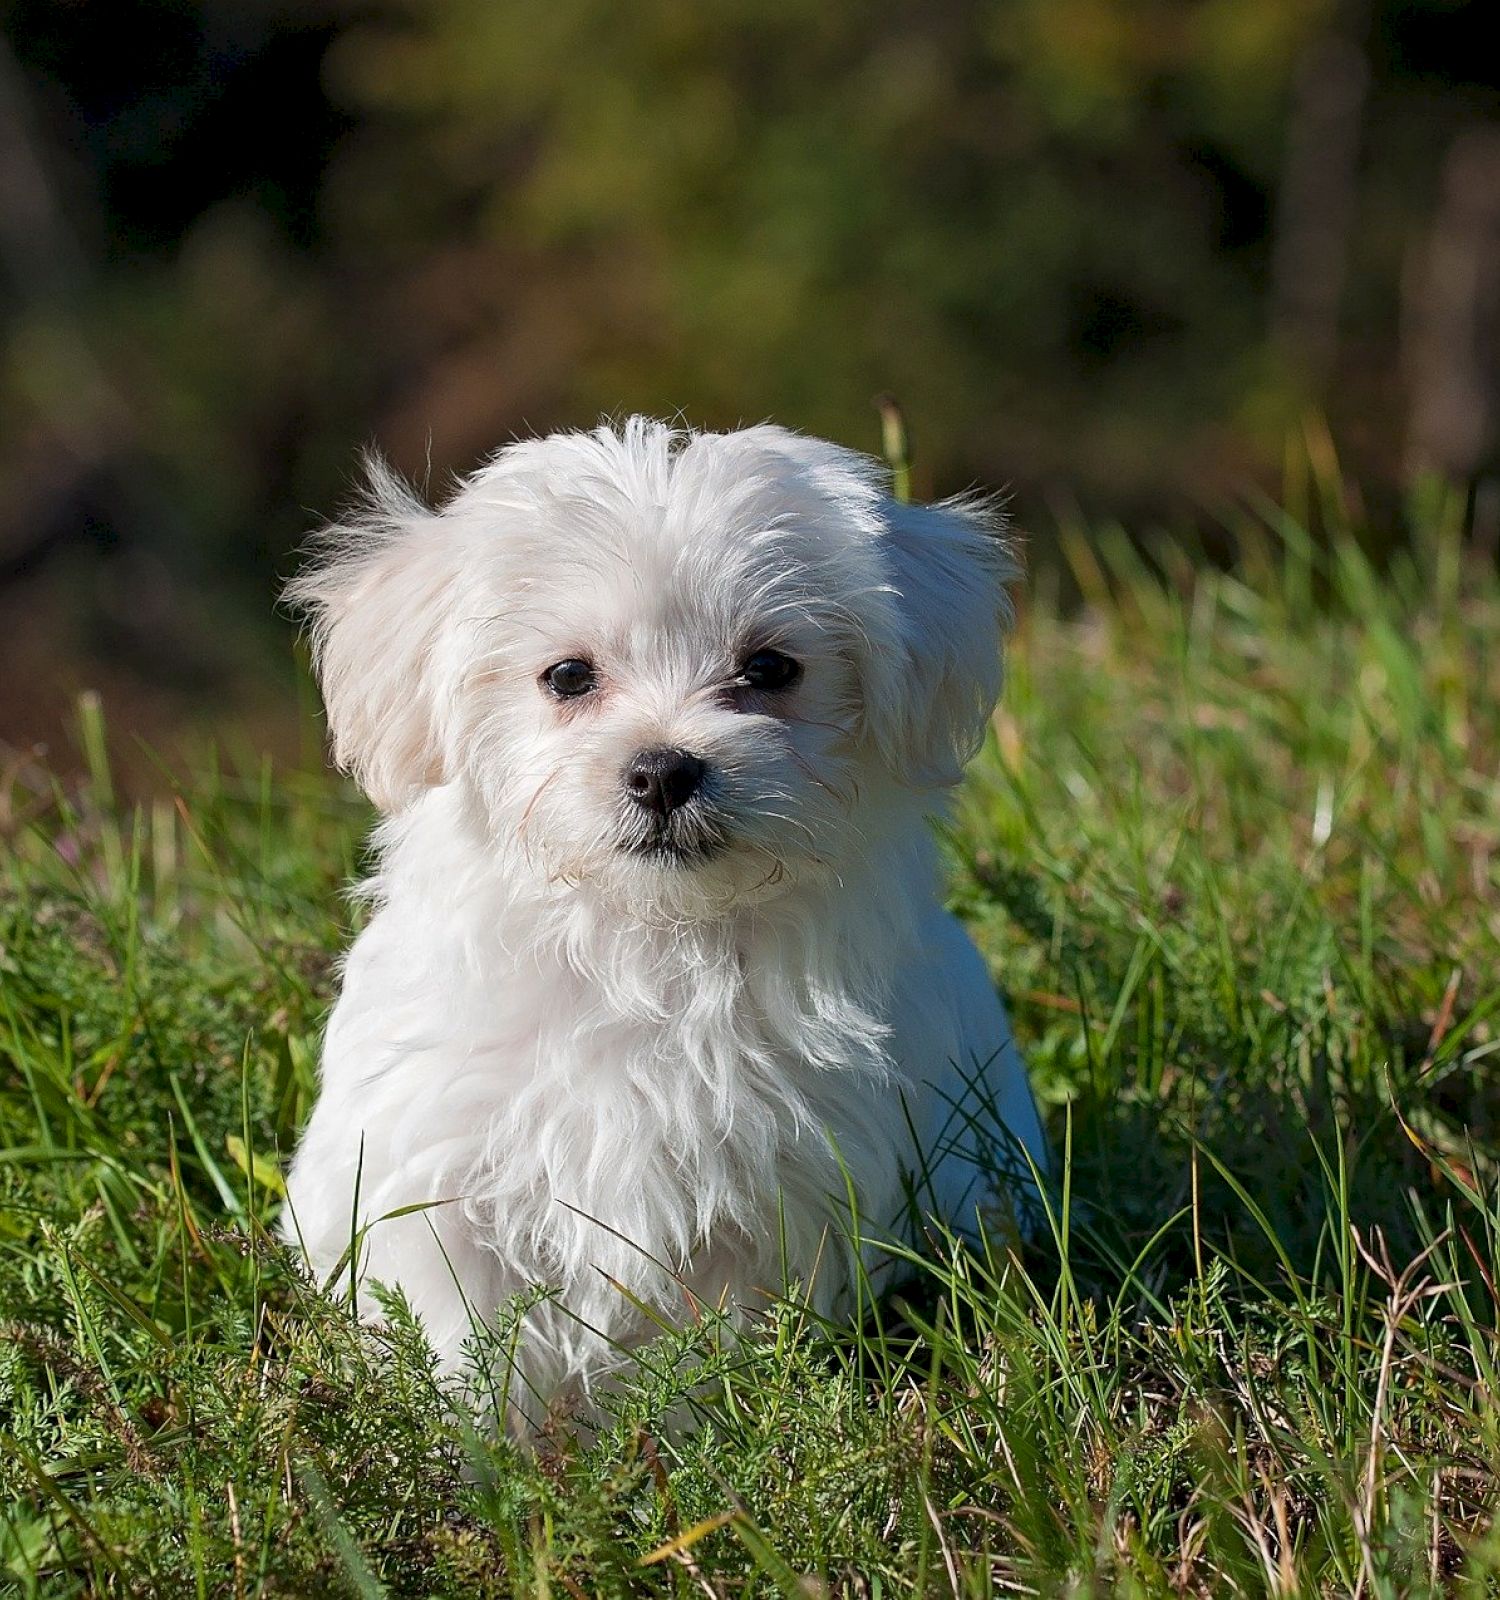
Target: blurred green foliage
{"type": "Point", "coordinates": [1103, 250]}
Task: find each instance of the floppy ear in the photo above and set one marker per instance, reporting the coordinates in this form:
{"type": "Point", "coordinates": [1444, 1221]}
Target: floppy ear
{"type": "Point", "coordinates": [381, 598]}
{"type": "Point", "coordinates": [933, 671]}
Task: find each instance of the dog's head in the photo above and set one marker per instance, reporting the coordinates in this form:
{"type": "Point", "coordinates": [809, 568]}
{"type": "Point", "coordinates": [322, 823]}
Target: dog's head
{"type": "Point", "coordinates": [674, 666]}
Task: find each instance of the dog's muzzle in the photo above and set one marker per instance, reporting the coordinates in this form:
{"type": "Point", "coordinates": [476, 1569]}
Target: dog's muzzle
{"type": "Point", "coordinates": [668, 820]}
{"type": "Point", "coordinates": [663, 781]}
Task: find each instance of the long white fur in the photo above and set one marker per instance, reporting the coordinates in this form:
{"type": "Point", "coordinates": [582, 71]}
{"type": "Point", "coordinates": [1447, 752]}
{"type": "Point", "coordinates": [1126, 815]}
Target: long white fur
{"type": "Point", "coordinates": [626, 1080]}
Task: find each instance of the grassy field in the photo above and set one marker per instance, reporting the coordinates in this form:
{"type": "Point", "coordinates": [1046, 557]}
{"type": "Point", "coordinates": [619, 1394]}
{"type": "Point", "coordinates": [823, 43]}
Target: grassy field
{"type": "Point", "coordinates": [1234, 852]}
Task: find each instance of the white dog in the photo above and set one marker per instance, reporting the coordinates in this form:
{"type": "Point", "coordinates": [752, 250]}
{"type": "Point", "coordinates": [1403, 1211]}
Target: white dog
{"type": "Point", "coordinates": [656, 982]}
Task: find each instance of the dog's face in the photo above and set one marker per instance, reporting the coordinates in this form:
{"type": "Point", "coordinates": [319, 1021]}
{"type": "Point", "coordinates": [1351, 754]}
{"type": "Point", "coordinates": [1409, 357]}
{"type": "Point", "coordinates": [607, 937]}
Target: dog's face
{"type": "Point", "coordinates": [682, 670]}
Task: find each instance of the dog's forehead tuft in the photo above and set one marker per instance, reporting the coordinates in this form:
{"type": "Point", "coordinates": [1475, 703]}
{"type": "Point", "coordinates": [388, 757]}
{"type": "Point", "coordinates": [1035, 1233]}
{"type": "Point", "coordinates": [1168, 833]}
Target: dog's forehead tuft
{"type": "Point", "coordinates": [648, 517]}
{"type": "Point", "coordinates": [652, 544]}
{"type": "Point", "coordinates": [646, 482]}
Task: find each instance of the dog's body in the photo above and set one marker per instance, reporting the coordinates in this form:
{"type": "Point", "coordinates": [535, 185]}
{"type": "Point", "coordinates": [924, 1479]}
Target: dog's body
{"type": "Point", "coordinates": [657, 983]}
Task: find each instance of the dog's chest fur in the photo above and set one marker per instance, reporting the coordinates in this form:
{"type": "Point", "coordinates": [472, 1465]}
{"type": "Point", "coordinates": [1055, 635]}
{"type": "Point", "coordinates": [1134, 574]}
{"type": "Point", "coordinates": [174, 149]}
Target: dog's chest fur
{"type": "Point", "coordinates": [594, 1098]}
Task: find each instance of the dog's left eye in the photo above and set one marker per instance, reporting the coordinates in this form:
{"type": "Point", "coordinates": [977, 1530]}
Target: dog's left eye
{"type": "Point", "coordinates": [769, 670]}
{"type": "Point", "coordinates": [571, 678]}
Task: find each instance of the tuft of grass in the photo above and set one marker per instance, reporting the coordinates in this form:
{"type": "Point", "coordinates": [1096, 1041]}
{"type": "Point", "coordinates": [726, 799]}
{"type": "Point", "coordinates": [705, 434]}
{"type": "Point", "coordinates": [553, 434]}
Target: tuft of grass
{"type": "Point", "coordinates": [1232, 851]}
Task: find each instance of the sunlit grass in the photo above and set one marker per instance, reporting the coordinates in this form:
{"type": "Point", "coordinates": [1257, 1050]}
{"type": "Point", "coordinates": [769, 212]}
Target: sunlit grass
{"type": "Point", "coordinates": [1233, 852]}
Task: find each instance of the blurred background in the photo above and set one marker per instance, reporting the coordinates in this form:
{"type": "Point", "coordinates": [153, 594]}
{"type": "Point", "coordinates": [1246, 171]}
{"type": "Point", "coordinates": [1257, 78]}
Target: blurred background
{"type": "Point", "coordinates": [1110, 253]}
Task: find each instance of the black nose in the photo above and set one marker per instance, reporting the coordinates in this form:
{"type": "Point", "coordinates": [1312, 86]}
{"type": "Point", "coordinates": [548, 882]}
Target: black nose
{"type": "Point", "coordinates": [662, 780]}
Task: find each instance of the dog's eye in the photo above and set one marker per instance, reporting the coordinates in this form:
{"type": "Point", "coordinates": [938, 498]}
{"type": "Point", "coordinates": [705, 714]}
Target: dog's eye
{"type": "Point", "coordinates": [571, 678]}
{"type": "Point", "coordinates": [769, 670]}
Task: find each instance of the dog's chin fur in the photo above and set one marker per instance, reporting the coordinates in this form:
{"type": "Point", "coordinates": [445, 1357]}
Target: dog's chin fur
{"type": "Point", "coordinates": [642, 1060]}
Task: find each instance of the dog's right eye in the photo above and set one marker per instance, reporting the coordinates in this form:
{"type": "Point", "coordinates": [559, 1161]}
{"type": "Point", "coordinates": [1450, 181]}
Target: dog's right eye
{"type": "Point", "coordinates": [571, 678]}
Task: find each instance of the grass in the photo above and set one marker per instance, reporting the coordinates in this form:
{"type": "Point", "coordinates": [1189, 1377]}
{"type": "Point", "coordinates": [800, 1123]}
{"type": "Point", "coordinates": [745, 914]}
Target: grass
{"type": "Point", "coordinates": [1233, 852]}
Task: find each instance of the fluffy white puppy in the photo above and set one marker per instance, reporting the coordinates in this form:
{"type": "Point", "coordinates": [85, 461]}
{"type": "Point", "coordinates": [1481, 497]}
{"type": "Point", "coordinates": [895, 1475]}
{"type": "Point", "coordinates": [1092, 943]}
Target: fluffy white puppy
{"type": "Point", "coordinates": [656, 977]}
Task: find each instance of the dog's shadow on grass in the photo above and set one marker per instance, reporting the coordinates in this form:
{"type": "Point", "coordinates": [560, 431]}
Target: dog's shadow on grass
{"type": "Point", "coordinates": [1251, 1129]}
{"type": "Point", "coordinates": [1265, 1176]}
